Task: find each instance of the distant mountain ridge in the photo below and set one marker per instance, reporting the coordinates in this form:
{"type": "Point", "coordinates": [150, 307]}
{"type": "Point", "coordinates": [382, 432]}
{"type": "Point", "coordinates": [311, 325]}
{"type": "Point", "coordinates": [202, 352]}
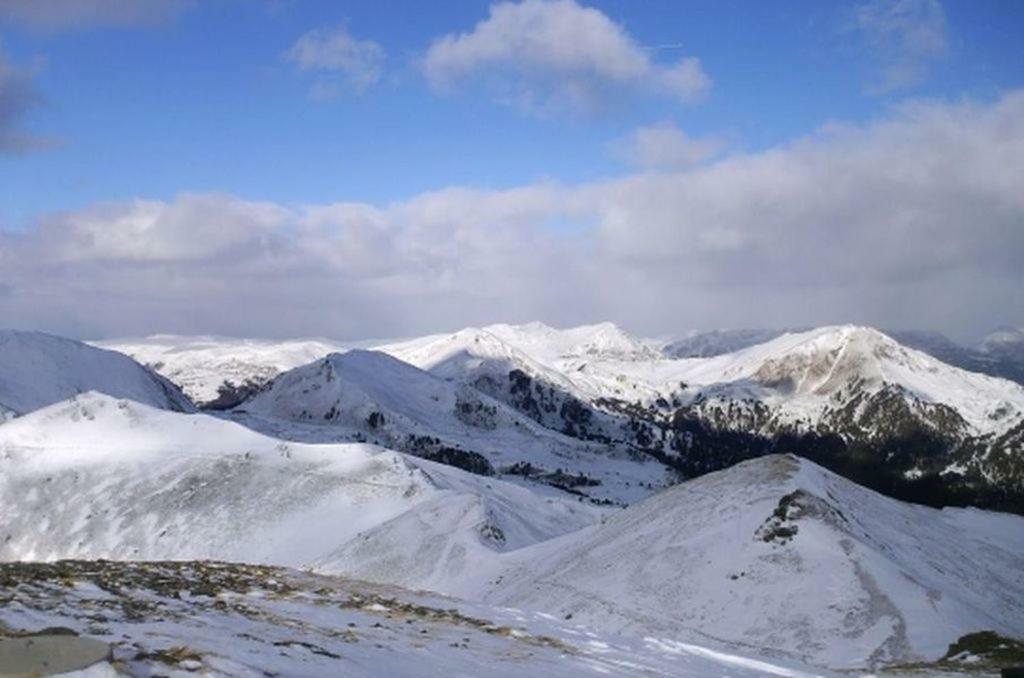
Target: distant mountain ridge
{"type": "Point", "coordinates": [861, 402]}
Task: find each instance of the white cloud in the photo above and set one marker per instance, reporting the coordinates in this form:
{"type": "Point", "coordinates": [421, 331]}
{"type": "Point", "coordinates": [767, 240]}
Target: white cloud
{"type": "Point", "coordinates": [337, 56]}
{"type": "Point", "coordinates": [665, 146]}
{"type": "Point", "coordinates": [556, 55]}
{"type": "Point", "coordinates": [905, 36]}
{"type": "Point", "coordinates": [914, 220]}
{"type": "Point", "coordinates": [193, 227]}
{"type": "Point", "coordinates": [55, 15]}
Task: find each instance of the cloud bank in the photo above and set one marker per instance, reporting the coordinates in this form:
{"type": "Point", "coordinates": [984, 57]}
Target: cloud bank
{"type": "Point", "coordinates": [914, 220]}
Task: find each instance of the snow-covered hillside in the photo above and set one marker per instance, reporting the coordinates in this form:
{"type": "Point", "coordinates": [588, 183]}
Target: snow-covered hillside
{"type": "Point", "coordinates": [39, 369]}
{"type": "Point", "coordinates": [780, 554]}
{"type": "Point", "coordinates": [370, 395]}
{"type": "Point", "coordinates": [97, 477]}
{"type": "Point", "coordinates": [206, 367]}
{"type": "Point", "coordinates": [774, 557]}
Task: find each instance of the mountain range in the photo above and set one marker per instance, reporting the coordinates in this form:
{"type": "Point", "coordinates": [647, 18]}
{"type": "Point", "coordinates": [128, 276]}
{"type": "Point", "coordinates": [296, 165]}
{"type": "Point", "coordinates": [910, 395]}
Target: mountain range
{"type": "Point", "coordinates": [762, 508]}
{"type": "Point", "coordinates": [527, 397]}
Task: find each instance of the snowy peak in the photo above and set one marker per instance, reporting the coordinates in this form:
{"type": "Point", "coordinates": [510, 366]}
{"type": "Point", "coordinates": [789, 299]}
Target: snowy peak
{"type": "Point", "coordinates": [824, 361]}
{"type": "Point", "coordinates": [39, 369]}
{"type": "Point", "coordinates": [474, 354]}
{"type": "Point", "coordinates": [604, 341]}
{"type": "Point", "coordinates": [832, 365]}
{"type": "Point", "coordinates": [350, 387]}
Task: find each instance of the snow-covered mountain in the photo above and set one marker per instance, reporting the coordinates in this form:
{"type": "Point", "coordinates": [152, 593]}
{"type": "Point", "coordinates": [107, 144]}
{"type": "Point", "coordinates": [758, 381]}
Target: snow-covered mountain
{"type": "Point", "coordinates": [97, 477]}
{"type": "Point", "coordinates": [39, 369]}
{"type": "Point", "coordinates": [218, 372]}
{"type": "Point", "coordinates": [996, 357]}
{"type": "Point", "coordinates": [774, 557]}
{"type": "Point", "coordinates": [370, 395]}
{"type": "Point", "coordinates": [850, 397]}
{"type": "Point", "coordinates": [808, 376]}
{"type": "Point", "coordinates": [780, 554]}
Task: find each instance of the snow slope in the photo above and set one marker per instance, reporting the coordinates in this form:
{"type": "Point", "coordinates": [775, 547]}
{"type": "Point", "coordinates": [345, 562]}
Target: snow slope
{"type": "Point", "coordinates": [201, 365]}
{"type": "Point", "coordinates": [97, 477]}
{"type": "Point", "coordinates": [780, 554]}
{"type": "Point", "coordinates": [374, 396]}
{"type": "Point", "coordinates": [39, 369]}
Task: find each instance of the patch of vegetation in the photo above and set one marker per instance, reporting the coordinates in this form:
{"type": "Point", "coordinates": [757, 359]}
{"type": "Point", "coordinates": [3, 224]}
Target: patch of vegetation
{"type": "Point", "coordinates": [990, 647]}
{"type": "Point", "coordinates": [433, 449]}
{"type": "Point", "coordinates": [399, 608]}
{"type": "Point", "coordinates": [171, 656]}
{"type": "Point", "coordinates": [315, 649]}
{"type": "Point", "coordinates": [979, 653]}
{"type": "Point", "coordinates": [165, 578]}
{"type": "Point", "coordinates": [230, 394]}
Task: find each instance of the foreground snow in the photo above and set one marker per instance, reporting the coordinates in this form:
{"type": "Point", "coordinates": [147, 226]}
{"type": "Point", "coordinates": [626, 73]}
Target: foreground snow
{"type": "Point", "coordinates": [221, 619]}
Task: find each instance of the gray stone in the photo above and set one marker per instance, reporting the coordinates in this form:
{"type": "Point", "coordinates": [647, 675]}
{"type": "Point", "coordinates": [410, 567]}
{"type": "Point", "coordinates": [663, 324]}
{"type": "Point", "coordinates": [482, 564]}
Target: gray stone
{"type": "Point", "coordinates": [46, 654]}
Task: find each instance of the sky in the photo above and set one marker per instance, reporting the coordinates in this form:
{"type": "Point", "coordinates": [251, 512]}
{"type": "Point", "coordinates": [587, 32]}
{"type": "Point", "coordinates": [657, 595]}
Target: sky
{"type": "Point", "coordinates": [283, 168]}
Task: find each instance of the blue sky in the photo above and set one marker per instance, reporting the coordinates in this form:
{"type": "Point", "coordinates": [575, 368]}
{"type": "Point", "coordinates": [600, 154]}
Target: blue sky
{"type": "Point", "coordinates": [130, 102]}
{"type": "Point", "coordinates": [207, 102]}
